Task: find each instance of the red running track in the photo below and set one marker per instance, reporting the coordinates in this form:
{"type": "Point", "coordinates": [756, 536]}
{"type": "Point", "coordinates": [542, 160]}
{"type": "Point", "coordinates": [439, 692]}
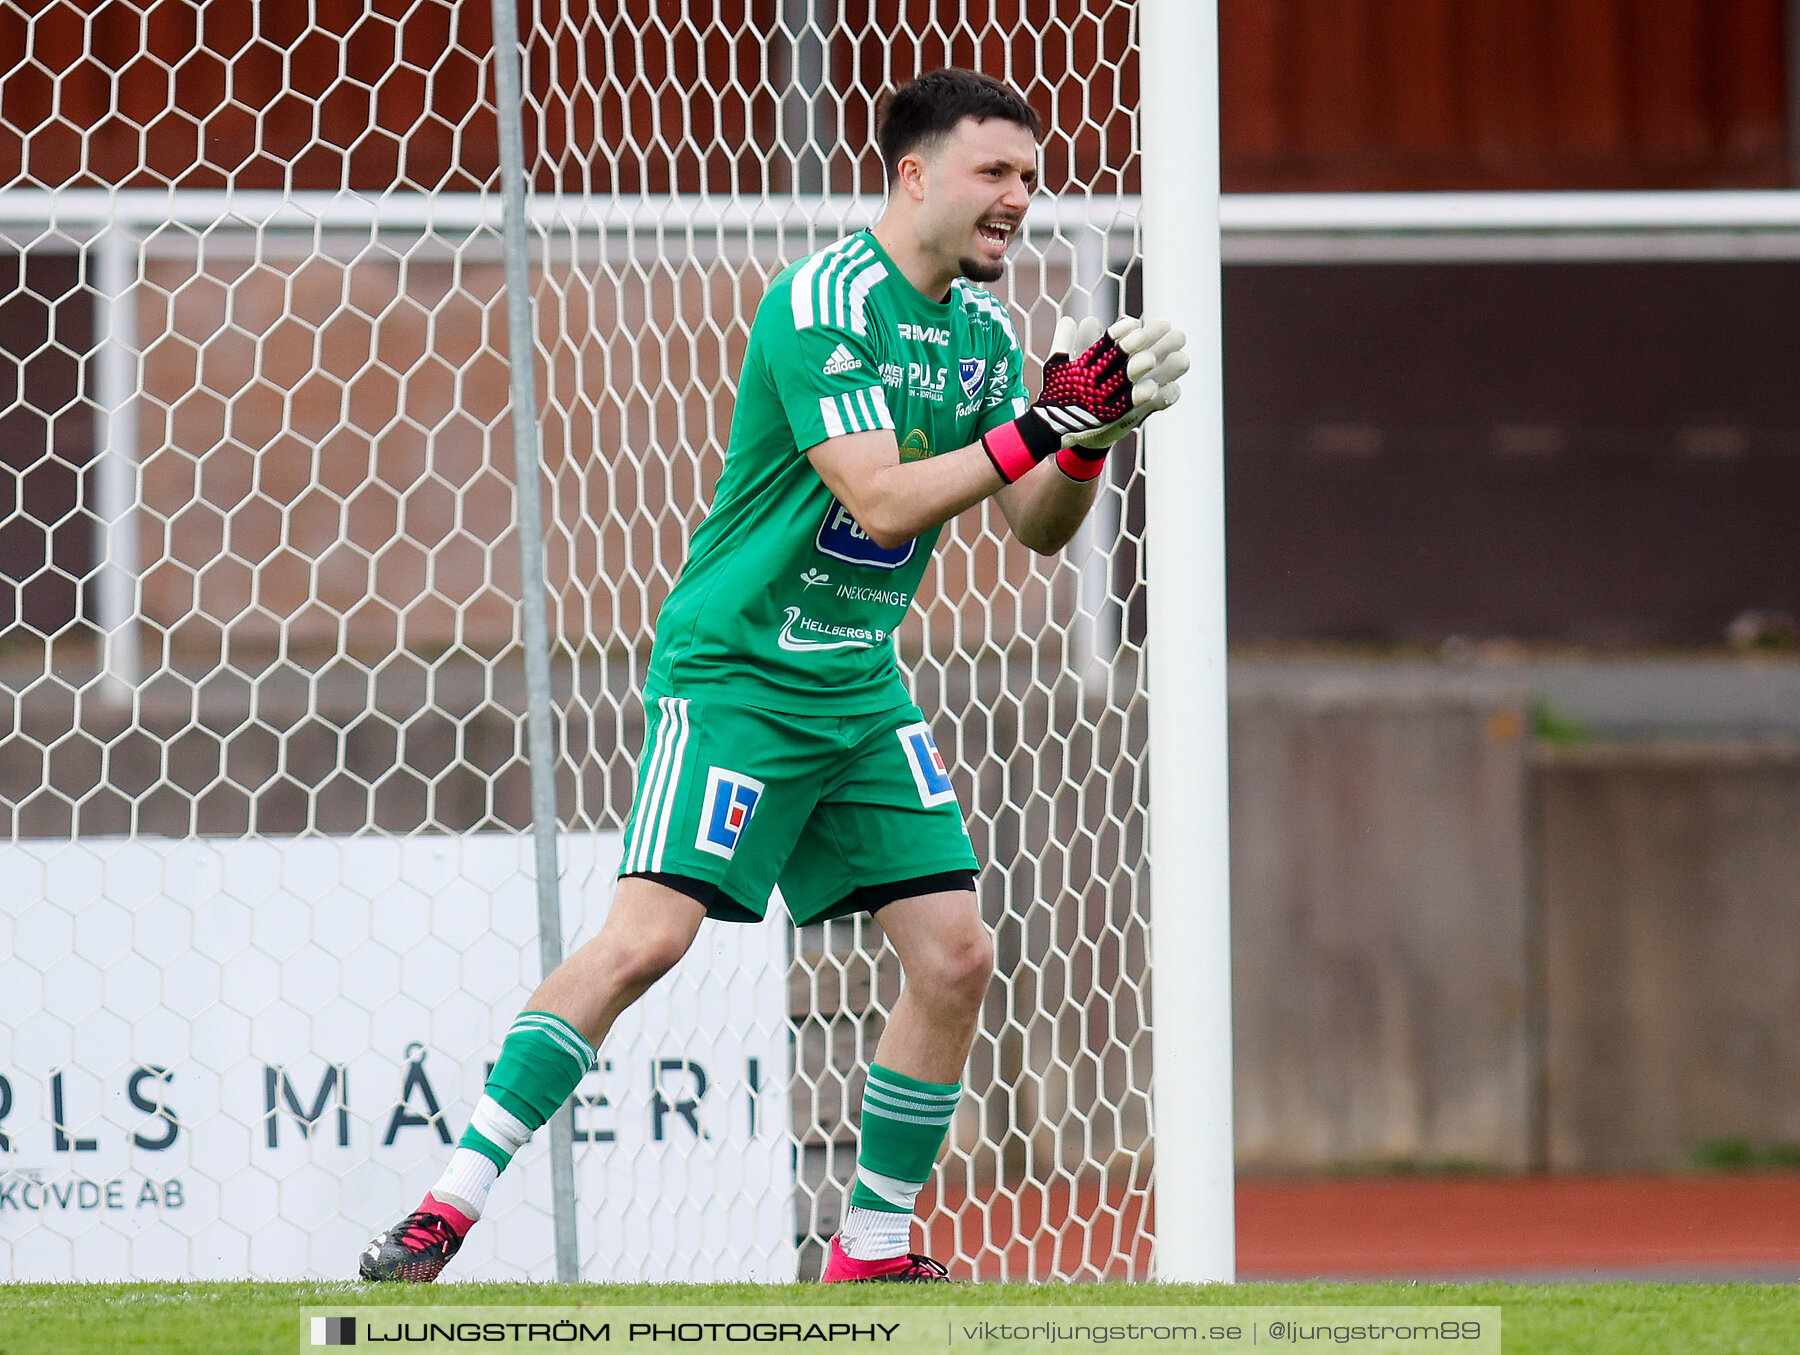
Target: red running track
{"type": "Point", "coordinates": [1398, 1228]}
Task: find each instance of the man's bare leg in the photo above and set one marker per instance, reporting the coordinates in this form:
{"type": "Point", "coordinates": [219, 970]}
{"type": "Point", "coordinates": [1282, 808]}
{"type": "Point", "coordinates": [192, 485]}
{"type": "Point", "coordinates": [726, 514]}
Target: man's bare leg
{"type": "Point", "coordinates": [947, 958]}
{"type": "Point", "coordinates": [648, 930]}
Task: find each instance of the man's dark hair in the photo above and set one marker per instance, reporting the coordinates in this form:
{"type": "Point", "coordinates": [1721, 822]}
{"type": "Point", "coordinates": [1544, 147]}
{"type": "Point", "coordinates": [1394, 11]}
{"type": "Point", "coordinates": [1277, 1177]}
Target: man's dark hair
{"type": "Point", "coordinates": [927, 109]}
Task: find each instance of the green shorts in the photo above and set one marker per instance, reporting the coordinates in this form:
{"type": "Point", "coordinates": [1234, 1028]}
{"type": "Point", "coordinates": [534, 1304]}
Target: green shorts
{"type": "Point", "coordinates": [821, 805]}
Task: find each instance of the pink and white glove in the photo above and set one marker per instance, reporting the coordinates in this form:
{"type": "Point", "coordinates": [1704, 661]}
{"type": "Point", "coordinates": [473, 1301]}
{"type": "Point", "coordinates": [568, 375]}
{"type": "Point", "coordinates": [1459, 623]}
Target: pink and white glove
{"type": "Point", "coordinates": [1097, 388]}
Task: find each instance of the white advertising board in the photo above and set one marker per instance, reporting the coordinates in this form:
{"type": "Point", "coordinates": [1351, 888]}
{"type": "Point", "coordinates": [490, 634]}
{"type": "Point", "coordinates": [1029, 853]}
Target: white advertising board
{"type": "Point", "coordinates": [240, 1058]}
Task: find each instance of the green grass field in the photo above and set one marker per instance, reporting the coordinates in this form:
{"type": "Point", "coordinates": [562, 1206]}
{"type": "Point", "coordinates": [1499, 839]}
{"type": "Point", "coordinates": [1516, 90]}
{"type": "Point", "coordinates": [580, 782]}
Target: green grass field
{"type": "Point", "coordinates": [1564, 1319]}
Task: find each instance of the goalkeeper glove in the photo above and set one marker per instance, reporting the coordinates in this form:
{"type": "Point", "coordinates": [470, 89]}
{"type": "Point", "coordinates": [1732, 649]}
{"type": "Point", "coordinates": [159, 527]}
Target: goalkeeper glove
{"type": "Point", "coordinates": [1158, 359]}
{"type": "Point", "coordinates": [1097, 388]}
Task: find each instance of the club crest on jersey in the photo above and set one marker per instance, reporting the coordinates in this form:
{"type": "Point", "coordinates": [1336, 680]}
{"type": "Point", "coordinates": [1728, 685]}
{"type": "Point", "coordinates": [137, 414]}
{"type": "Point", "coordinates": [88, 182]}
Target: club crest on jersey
{"type": "Point", "coordinates": [725, 812]}
{"type": "Point", "coordinates": [970, 371]}
{"type": "Point", "coordinates": [842, 538]}
{"type": "Point", "coordinates": [928, 770]}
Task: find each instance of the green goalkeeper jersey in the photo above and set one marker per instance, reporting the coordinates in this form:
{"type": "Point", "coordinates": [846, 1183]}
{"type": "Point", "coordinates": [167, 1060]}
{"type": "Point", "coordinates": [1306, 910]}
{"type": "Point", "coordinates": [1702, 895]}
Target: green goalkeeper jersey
{"type": "Point", "coordinates": [785, 603]}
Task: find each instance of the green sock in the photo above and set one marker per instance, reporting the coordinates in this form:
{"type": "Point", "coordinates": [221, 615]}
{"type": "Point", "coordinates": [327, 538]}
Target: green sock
{"type": "Point", "coordinates": [904, 1122]}
{"type": "Point", "coordinates": [540, 1063]}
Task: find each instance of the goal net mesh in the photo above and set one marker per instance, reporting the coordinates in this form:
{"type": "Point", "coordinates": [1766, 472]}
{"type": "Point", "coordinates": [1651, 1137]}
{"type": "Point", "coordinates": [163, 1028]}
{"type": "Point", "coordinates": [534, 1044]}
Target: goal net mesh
{"type": "Point", "coordinates": [270, 907]}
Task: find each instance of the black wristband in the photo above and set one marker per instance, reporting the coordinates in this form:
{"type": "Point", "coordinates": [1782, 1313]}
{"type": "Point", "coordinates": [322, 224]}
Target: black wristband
{"type": "Point", "coordinates": [1040, 439]}
{"type": "Point", "coordinates": [1017, 447]}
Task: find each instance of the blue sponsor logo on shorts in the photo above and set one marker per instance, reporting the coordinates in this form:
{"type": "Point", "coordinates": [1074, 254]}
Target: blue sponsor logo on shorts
{"type": "Point", "coordinates": [725, 813]}
{"type": "Point", "coordinates": [842, 538]}
{"type": "Point", "coordinates": [929, 773]}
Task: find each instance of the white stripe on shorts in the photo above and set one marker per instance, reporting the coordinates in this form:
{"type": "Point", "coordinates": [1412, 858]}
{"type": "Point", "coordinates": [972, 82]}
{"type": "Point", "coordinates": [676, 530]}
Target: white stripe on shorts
{"type": "Point", "coordinates": [643, 815]}
{"type": "Point", "coordinates": [680, 712]}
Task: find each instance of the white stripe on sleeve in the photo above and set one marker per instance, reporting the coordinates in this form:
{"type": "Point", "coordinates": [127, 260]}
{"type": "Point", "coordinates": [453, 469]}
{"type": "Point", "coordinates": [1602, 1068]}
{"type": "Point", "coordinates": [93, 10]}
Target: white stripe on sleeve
{"type": "Point", "coordinates": [834, 425]}
{"type": "Point", "coordinates": [859, 292]}
{"type": "Point", "coordinates": [865, 410]}
{"type": "Point", "coordinates": [831, 283]}
{"type": "Point", "coordinates": [800, 292]}
{"type": "Point", "coordinates": [879, 397]}
{"type": "Point", "coordinates": [854, 261]}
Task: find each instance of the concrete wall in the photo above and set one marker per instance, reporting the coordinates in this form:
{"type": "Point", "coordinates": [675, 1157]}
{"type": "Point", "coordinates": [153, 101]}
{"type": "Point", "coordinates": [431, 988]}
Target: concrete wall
{"type": "Point", "coordinates": [1380, 925]}
{"type": "Point", "coordinates": [1671, 896]}
{"type": "Point", "coordinates": [1454, 943]}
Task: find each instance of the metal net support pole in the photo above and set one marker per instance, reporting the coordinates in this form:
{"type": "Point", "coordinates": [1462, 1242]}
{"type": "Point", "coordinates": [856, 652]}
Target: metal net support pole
{"type": "Point", "coordinates": [115, 480]}
{"type": "Point", "coordinates": [540, 749]}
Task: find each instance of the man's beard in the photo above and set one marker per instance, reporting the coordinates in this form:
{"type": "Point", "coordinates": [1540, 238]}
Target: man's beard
{"type": "Point", "coordinates": [979, 270]}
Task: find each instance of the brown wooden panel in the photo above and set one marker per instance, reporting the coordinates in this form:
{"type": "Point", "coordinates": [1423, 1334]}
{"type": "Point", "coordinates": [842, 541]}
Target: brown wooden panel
{"type": "Point", "coordinates": [1502, 57]}
{"type": "Point", "coordinates": [653, 95]}
{"type": "Point", "coordinates": [40, 50]}
{"type": "Point", "coordinates": [1087, 129]}
{"type": "Point", "coordinates": [1473, 94]}
{"type": "Point", "coordinates": [1752, 100]}
{"type": "Point", "coordinates": [1252, 59]}
{"type": "Point", "coordinates": [1332, 50]}
{"type": "Point", "coordinates": [204, 94]}
{"type": "Point", "coordinates": [645, 96]}
{"type": "Point", "coordinates": [1669, 92]}
{"type": "Point", "coordinates": [1587, 76]}
{"type": "Point", "coordinates": [1414, 86]}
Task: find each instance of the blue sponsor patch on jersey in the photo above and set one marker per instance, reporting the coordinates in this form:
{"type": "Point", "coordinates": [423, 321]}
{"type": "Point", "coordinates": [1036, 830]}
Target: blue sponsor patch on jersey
{"type": "Point", "coordinates": [927, 764]}
{"type": "Point", "coordinates": [842, 538]}
{"type": "Point", "coordinates": [725, 812]}
{"type": "Point", "coordinates": [970, 371]}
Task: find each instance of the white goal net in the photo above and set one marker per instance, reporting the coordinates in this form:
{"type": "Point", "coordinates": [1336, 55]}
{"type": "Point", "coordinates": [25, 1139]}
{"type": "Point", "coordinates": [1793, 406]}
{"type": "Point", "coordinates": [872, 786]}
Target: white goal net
{"type": "Point", "coordinates": [269, 902]}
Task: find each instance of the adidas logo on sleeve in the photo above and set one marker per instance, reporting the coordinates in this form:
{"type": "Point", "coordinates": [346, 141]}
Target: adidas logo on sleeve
{"type": "Point", "coordinates": [841, 360]}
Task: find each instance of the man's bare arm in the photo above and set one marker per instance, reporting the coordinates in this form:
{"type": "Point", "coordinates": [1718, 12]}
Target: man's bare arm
{"type": "Point", "coordinates": [1046, 507]}
{"type": "Point", "coordinates": [894, 500]}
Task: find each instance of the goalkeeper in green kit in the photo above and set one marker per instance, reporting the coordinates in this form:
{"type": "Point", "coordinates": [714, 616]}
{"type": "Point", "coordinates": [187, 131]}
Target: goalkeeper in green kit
{"type": "Point", "coordinates": [882, 394]}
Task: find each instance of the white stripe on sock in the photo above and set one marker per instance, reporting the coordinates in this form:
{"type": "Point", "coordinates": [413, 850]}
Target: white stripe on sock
{"type": "Point", "coordinates": [873, 1105]}
{"type": "Point", "coordinates": [914, 1099]}
{"type": "Point", "coordinates": [567, 1038]}
{"type": "Point", "coordinates": [499, 1126]}
{"type": "Point", "coordinates": [900, 1194]}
